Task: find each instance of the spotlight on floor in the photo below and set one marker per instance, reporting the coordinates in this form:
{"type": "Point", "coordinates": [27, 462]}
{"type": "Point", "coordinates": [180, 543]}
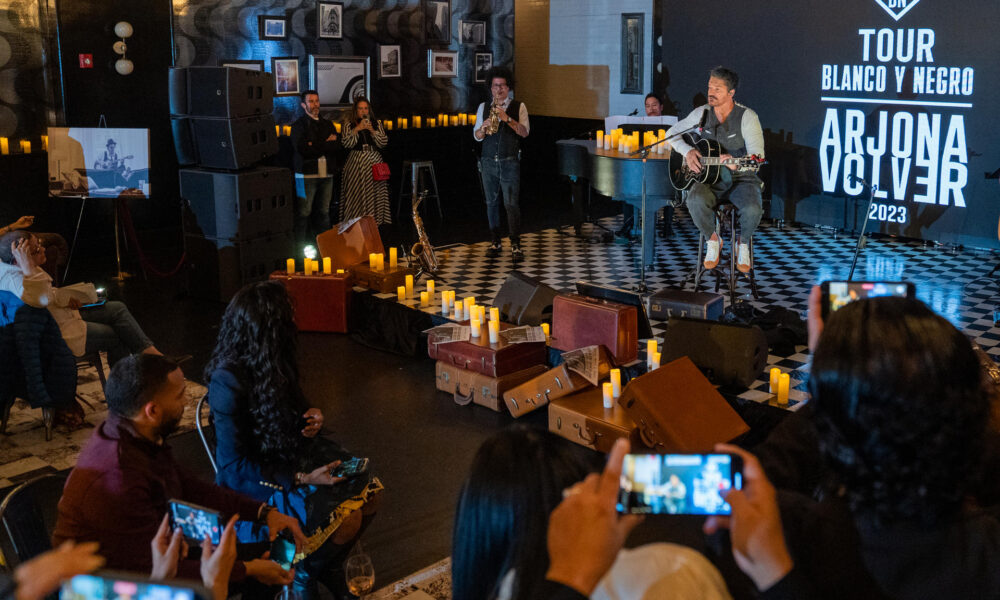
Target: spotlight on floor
{"type": "Point", "coordinates": [310, 252]}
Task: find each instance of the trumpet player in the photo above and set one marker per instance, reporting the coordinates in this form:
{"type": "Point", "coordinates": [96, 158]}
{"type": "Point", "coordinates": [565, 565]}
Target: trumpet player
{"type": "Point", "coordinates": [500, 128]}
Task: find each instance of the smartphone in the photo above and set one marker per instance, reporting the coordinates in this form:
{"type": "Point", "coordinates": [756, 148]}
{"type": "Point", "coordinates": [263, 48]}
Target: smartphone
{"type": "Point", "coordinates": [838, 294]}
{"type": "Point", "coordinates": [350, 468]}
{"type": "Point", "coordinates": [283, 550]}
{"type": "Point", "coordinates": [678, 484]}
{"type": "Point", "coordinates": [109, 585]}
{"type": "Point", "coordinates": [195, 522]}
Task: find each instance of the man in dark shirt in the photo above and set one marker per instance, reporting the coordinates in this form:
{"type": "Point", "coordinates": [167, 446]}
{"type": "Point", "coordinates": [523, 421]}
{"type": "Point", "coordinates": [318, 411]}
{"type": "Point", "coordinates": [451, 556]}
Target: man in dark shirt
{"type": "Point", "coordinates": [315, 142]}
{"type": "Point", "coordinates": [118, 492]}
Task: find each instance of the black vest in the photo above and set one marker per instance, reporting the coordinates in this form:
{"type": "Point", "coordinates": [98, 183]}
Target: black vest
{"type": "Point", "coordinates": [505, 142]}
{"type": "Point", "coordinates": [728, 134]}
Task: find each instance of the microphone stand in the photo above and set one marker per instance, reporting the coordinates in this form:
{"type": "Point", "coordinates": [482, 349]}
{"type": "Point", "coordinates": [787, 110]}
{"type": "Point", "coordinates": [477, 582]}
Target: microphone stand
{"type": "Point", "coordinates": [864, 226]}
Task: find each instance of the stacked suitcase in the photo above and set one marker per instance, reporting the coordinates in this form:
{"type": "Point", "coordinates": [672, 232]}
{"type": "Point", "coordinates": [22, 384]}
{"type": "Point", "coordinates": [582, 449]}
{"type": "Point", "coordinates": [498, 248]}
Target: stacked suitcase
{"type": "Point", "coordinates": [348, 246]}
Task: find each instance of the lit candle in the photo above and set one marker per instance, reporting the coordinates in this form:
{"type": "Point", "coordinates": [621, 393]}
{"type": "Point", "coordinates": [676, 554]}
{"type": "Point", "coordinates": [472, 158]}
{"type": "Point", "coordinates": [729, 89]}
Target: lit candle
{"type": "Point", "coordinates": [290, 265]}
{"type": "Point", "coordinates": [458, 312]}
{"type": "Point", "coordinates": [775, 373]}
{"type": "Point", "coordinates": [380, 262]}
{"type": "Point", "coordinates": [545, 330]}
{"type": "Point", "coordinates": [495, 314]}
{"type": "Point", "coordinates": [327, 265]}
{"type": "Point", "coordinates": [45, 143]}
{"type": "Point", "coordinates": [600, 137]}
{"type": "Point", "coordinates": [409, 286]}
{"type": "Point", "coordinates": [463, 119]}
{"type": "Point", "coordinates": [494, 331]}
{"type": "Point", "coordinates": [416, 122]}
{"type": "Point", "coordinates": [467, 303]}
{"type": "Point", "coordinates": [401, 293]}
{"type": "Point", "coordinates": [425, 299]}
{"type": "Point", "coordinates": [277, 130]}
{"type": "Point", "coordinates": [609, 401]}
{"type": "Point", "coordinates": [616, 382]}
{"type": "Point", "coordinates": [388, 125]}
{"type": "Point", "coordinates": [474, 324]}
{"type": "Point", "coordinates": [393, 257]}
{"type": "Point", "coordinates": [784, 382]}
{"type": "Point", "coordinates": [431, 122]}
{"type": "Point", "coordinates": [430, 287]}
{"type": "Point", "coordinates": [650, 351]}
{"type": "Point", "coordinates": [454, 120]}
{"type": "Point", "coordinates": [287, 130]}
{"type": "Point", "coordinates": [655, 363]}
{"type": "Point", "coordinates": [26, 146]}
{"type": "Point", "coordinates": [406, 123]}
{"type": "Point", "coordinates": [607, 142]}
{"type": "Point", "coordinates": [307, 267]}
{"type": "Point", "coordinates": [472, 119]}
{"type": "Point", "coordinates": [444, 304]}
{"type": "Point", "coordinates": [340, 272]}
{"type": "Point", "coordinates": [371, 261]}
{"type": "Point", "coordinates": [338, 127]}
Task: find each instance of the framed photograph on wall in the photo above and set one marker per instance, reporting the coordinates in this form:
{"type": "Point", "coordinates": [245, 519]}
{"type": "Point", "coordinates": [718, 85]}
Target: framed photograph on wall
{"type": "Point", "coordinates": [484, 62]}
{"type": "Point", "coordinates": [389, 64]}
{"type": "Point", "coordinates": [472, 32]}
{"type": "Point", "coordinates": [340, 79]}
{"type": "Point", "coordinates": [272, 27]}
{"type": "Point", "coordinates": [632, 42]}
{"type": "Point", "coordinates": [252, 65]}
{"type": "Point", "coordinates": [330, 20]}
{"type": "Point", "coordinates": [442, 63]}
{"type": "Point", "coordinates": [437, 21]}
{"type": "Point", "coordinates": [286, 75]}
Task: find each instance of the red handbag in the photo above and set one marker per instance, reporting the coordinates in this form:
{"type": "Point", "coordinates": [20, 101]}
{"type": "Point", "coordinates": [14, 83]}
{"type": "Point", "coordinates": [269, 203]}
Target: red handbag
{"type": "Point", "coordinates": [380, 171]}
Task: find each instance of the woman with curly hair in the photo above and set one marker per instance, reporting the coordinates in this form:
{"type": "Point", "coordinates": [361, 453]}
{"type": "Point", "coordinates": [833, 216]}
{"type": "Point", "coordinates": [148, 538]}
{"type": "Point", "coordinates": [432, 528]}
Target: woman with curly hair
{"type": "Point", "coordinates": [361, 195]}
{"type": "Point", "coordinates": [267, 443]}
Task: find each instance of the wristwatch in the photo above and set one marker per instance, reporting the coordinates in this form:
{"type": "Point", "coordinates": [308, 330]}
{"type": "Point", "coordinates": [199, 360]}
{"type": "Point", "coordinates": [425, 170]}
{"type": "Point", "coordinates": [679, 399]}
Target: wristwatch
{"type": "Point", "coordinates": [262, 513]}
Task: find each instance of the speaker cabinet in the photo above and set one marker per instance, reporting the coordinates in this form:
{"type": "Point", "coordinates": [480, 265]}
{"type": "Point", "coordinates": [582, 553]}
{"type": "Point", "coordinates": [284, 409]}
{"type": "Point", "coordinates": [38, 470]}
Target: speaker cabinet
{"type": "Point", "coordinates": [234, 143]}
{"type": "Point", "coordinates": [178, 90]}
{"type": "Point", "coordinates": [525, 300]}
{"type": "Point", "coordinates": [217, 268]}
{"type": "Point", "coordinates": [238, 206]}
{"type": "Point", "coordinates": [187, 153]}
{"type": "Point", "coordinates": [730, 355]}
{"type": "Point", "coordinates": [229, 92]}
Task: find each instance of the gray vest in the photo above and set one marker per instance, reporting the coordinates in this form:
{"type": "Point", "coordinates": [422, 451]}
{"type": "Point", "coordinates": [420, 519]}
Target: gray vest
{"type": "Point", "coordinates": [728, 134]}
{"type": "Point", "coordinates": [504, 143]}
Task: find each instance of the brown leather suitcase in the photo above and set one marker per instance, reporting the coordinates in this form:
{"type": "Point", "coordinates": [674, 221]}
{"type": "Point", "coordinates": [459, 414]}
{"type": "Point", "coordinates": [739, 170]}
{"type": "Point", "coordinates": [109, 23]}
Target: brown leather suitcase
{"type": "Point", "coordinates": [321, 302]}
{"type": "Point", "coordinates": [582, 419]}
{"type": "Point", "coordinates": [353, 246]}
{"type": "Point", "coordinates": [676, 409]}
{"type": "Point", "coordinates": [471, 387]}
{"type": "Point", "coordinates": [383, 282]}
{"type": "Point", "coordinates": [492, 360]}
{"type": "Point", "coordinates": [579, 321]}
{"type": "Point", "coordinates": [554, 383]}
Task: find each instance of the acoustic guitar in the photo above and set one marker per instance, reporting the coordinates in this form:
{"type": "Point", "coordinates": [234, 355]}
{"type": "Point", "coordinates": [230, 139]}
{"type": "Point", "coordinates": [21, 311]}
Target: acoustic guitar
{"type": "Point", "coordinates": [714, 166]}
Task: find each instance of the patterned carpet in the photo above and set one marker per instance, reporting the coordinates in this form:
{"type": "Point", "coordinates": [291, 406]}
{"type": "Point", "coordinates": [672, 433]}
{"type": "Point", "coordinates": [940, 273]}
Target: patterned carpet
{"type": "Point", "coordinates": [24, 453]}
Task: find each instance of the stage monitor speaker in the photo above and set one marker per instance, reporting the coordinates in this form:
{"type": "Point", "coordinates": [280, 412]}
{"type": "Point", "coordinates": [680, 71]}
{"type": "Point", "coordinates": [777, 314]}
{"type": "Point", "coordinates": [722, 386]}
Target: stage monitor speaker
{"type": "Point", "coordinates": [217, 269]}
{"type": "Point", "coordinates": [234, 143]}
{"type": "Point", "coordinates": [238, 206]}
{"type": "Point", "coordinates": [229, 92]}
{"type": "Point", "coordinates": [730, 355]}
{"type": "Point", "coordinates": [178, 90]}
{"type": "Point", "coordinates": [524, 300]}
{"type": "Point", "coordinates": [187, 153]}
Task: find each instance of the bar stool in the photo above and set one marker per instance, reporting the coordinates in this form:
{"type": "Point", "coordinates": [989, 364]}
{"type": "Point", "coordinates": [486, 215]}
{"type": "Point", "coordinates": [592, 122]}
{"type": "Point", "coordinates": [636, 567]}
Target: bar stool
{"type": "Point", "coordinates": [725, 218]}
{"type": "Point", "coordinates": [416, 167]}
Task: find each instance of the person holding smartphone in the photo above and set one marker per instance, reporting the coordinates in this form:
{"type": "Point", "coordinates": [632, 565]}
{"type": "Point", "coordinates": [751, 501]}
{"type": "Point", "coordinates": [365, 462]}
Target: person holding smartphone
{"type": "Point", "coordinates": [267, 442]}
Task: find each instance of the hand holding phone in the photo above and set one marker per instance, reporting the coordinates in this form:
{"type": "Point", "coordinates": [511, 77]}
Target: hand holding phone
{"type": "Point", "coordinates": [350, 468]}
{"type": "Point", "coordinates": [838, 294]}
{"type": "Point", "coordinates": [678, 484]}
{"type": "Point", "coordinates": [283, 550]}
{"type": "Point", "coordinates": [195, 522]}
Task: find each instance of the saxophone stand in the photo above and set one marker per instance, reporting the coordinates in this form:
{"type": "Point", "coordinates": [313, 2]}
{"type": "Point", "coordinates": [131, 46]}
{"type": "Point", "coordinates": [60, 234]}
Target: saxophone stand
{"type": "Point", "coordinates": [864, 226]}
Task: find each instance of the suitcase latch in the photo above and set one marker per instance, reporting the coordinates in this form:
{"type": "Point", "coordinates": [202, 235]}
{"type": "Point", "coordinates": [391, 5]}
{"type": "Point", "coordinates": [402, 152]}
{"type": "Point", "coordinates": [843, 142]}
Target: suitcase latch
{"type": "Point", "coordinates": [559, 383]}
{"type": "Point", "coordinates": [514, 402]}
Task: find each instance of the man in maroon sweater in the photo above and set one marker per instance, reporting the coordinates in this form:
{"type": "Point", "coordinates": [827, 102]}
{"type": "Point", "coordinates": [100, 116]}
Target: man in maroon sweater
{"type": "Point", "coordinates": [118, 492]}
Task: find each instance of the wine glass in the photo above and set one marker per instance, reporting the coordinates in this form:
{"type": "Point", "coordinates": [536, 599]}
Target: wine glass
{"type": "Point", "coordinates": [360, 574]}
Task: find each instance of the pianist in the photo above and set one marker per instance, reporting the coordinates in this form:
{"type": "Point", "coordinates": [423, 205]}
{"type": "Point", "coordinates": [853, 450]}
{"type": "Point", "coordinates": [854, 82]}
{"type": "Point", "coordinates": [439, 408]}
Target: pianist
{"type": "Point", "coordinates": [737, 129]}
{"type": "Point", "coordinates": [654, 108]}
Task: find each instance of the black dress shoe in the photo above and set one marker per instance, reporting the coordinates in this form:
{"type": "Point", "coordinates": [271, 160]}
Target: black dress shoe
{"type": "Point", "coordinates": [493, 251]}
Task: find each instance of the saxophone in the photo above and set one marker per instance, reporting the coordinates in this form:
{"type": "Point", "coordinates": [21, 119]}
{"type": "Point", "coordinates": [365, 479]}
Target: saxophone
{"type": "Point", "coordinates": [493, 121]}
{"type": "Point", "coordinates": [423, 249]}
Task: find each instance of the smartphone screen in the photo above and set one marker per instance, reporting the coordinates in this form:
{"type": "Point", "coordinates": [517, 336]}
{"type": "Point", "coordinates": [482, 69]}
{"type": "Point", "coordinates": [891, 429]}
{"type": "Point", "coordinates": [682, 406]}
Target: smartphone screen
{"type": "Point", "coordinates": [283, 551]}
{"type": "Point", "coordinates": [196, 522]}
{"type": "Point", "coordinates": [117, 586]}
{"type": "Point", "coordinates": [838, 294]}
{"type": "Point", "coordinates": [678, 484]}
{"type": "Point", "coordinates": [350, 468]}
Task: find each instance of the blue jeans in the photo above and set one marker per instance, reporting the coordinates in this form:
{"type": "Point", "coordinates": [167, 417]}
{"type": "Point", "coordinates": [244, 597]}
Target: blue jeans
{"type": "Point", "coordinates": [312, 202]}
{"type": "Point", "coordinates": [504, 176]}
{"type": "Point", "coordinates": [744, 194]}
{"type": "Point", "coordinates": [111, 328]}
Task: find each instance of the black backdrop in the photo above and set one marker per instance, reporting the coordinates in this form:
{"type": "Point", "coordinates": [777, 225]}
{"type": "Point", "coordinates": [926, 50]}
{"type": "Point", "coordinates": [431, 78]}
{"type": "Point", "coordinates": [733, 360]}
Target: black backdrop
{"type": "Point", "coordinates": [782, 49]}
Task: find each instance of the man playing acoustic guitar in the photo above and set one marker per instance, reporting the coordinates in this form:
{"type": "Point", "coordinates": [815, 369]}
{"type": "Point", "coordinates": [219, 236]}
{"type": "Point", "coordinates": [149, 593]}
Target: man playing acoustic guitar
{"type": "Point", "coordinates": [737, 129]}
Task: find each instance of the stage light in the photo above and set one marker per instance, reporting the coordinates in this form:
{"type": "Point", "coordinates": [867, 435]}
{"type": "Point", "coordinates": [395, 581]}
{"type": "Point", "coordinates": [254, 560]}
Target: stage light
{"type": "Point", "coordinates": [310, 252]}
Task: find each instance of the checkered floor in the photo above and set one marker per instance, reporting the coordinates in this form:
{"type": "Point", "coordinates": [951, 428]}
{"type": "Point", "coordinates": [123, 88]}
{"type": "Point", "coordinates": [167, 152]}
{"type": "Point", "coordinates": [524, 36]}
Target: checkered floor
{"type": "Point", "coordinates": [788, 262]}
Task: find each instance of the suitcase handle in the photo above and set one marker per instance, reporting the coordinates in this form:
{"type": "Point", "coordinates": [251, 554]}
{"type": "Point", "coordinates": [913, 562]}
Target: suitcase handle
{"type": "Point", "coordinates": [463, 400]}
{"type": "Point", "coordinates": [579, 431]}
{"type": "Point", "coordinates": [455, 361]}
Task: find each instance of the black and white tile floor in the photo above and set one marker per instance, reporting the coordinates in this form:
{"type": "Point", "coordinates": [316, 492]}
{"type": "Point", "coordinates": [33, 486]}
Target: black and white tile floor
{"type": "Point", "coordinates": [788, 262]}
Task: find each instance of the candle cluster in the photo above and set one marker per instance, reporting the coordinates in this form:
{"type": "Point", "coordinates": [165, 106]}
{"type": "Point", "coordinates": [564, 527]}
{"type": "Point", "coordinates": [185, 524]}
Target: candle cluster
{"type": "Point", "coordinates": [779, 385]}
{"type": "Point", "coordinates": [312, 267]}
{"type": "Point", "coordinates": [23, 145]}
{"type": "Point", "coordinates": [438, 120]}
{"type": "Point", "coordinates": [617, 139]}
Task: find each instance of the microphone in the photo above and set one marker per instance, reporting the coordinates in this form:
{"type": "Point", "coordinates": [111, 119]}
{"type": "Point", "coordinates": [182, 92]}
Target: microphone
{"type": "Point", "coordinates": [701, 123]}
{"type": "Point", "coordinates": [633, 113]}
{"type": "Point", "coordinates": [856, 179]}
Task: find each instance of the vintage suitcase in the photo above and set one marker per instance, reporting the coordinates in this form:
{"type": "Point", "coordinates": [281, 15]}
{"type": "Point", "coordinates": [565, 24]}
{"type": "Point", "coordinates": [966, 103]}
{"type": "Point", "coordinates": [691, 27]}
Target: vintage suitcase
{"type": "Point", "coordinates": [673, 302]}
{"type": "Point", "coordinates": [582, 419]}
{"type": "Point", "coordinates": [471, 387]}
{"type": "Point", "coordinates": [353, 246]}
{"type": "Point", "coordinates": [554, 383]}
{"type": "Point", "coordinates": [384, 282]}
{"type": "Point", "coordinates": [321, 302]}
{"type": "Point", "coordinates": [492, 360]}
{"type": "Point", "coordinates": [578, 321]}
{"type": "Point", "coordinates": [676, 409]}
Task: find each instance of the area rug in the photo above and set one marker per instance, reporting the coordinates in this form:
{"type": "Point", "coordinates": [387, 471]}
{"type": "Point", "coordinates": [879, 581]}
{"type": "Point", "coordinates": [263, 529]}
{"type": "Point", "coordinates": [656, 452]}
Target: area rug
{"type": "Point", "coordinates": [434, 582]}
{"type": "Point", "coordinates": [24, 453]}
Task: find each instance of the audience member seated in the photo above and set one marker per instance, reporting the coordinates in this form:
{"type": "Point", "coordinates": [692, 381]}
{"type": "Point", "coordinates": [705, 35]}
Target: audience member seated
{"type": "Point", "coordinates": [119, 490]}
{"type": "Point", "coordinates": [498, 551]}
{"type": "Point", "coordinates": [107, 328]}
{"type": "Point", "coordinates": [267, 443]}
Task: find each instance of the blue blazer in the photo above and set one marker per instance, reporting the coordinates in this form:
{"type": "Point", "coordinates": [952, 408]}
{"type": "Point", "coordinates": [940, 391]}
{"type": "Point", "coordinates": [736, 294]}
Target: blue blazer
{"type": "Point", "coordinates": [37, 363]}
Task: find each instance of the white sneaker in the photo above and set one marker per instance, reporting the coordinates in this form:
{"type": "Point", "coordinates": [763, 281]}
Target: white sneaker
{"type": "Point", "coordinates": [712, 247]}
{"type": "Point", "coordinates": [743, 259]}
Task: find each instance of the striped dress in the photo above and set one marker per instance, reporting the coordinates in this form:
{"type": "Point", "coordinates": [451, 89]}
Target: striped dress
{"type": "Point", "coordinates": [359, 194]}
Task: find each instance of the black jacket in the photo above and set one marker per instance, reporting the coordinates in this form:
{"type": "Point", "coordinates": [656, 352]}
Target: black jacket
{"type": "Point", "coordinates": [309, 141]}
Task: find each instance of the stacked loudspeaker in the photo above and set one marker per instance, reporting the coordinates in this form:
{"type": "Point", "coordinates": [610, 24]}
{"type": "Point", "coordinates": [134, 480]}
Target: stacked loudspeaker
{"type": "Point", "coordinates": [238, 216]}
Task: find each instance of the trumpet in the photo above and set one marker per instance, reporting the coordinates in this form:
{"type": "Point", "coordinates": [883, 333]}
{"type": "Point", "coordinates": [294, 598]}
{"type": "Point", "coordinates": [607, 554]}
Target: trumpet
{"type": "Point", "coordinates": [493, 121]}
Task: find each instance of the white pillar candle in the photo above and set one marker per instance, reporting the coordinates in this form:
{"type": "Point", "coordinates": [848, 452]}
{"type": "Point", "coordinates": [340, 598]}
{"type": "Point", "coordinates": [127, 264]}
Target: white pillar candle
{"type": "Point", "coordinates": [475, 326]}
{"type": "Point", "coordinates": [650, 351]}
{"type": "Point", "coordinates": [409, 285]}
{"type": "Point", "coordinates": [401, 293]}
{"type": "Point", "coordinates": [290, 266]}
{"type": "Point", "coordinates": [775, 374]}
{"type": "Point", "coordinates": [494, 331]}
{"type": "Point", "coordinates": [609, 401]}
{"type": "Point", "coordinates": [372, 261]}
{"type": "Point", "coordinates": [784, 383]}
{"type": "Point", "coordinates": [425, 299]}
{"type": "Point", "coordinates": [444, 304]}
{"type": "Point", "coordinates": [393, 257]}
{"type": "Point", "coordinates": [545, 329]}
{"type": "Point", "coordinates": [655, 363]}
{"type": "Point", "coordinates": [495, 314]}
{"type": "Point", "coordinates": [327, 266]}
{"type": "Point", "coordinates": [430, 288]}
{"type": "Point", "coordinates": [616, 382]}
